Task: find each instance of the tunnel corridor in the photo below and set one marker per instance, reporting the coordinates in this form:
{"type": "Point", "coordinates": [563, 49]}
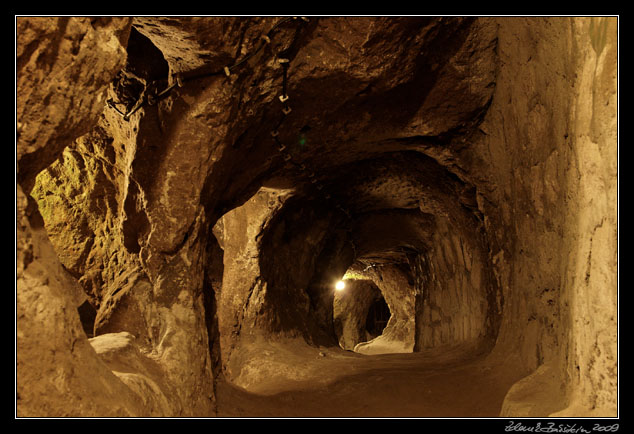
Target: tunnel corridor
{"type": "Point", "coordinates": [316, 217]}
{"type": "Point", "coordinates": [377, 318]}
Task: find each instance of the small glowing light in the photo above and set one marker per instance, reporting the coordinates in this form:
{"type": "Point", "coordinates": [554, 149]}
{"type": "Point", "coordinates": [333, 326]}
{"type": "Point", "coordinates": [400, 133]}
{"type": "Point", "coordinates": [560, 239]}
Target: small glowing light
{"type": "Point", "coordinates": [340, 285]}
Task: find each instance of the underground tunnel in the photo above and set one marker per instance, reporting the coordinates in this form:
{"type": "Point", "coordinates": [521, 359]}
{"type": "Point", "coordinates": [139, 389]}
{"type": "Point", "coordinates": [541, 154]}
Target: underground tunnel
{"type": "Point", "coordinates": [316, 217]}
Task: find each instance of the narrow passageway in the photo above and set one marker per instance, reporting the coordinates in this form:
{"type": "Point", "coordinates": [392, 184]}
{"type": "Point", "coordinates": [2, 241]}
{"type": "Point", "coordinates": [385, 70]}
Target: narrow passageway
{"type": "Point", "coordinates": [279, 216]}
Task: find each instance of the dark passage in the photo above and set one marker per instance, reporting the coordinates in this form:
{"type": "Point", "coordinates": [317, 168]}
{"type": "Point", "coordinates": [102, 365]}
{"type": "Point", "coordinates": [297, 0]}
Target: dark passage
{"type": "Point", "coordinates": [378, 317]}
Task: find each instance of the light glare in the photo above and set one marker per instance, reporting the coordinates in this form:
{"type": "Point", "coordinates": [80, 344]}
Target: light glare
{"type": "Point", "coordinates": [340, 285]}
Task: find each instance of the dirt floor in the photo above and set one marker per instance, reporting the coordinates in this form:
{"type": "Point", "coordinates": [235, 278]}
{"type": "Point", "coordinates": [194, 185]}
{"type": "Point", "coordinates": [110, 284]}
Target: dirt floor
{"type": "Point", "coordinates": [440, 383]}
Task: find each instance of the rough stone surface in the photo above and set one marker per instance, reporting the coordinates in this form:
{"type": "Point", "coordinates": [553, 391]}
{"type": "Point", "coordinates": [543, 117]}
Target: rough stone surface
{"type": "Point", "coordinates": [551, 150]}
{"type": "Point", "coordinates": [57, 372]}
{"type": "Point", "coordinates": [534, 395]}
{"type": "Point", "coordinates": [400, 296]}
{"type": "Point", "coordinates": [136, 370]}
{"type": "Point", "coordinates": [239, 233]}
{"type": "Point", "coordinates": [64, 66]}
{"type": "Point", "coordinates": [591, 279]}
{"type": "Point", "coordinates": [458, 298]}
{"type": "Point", "coordinates": [94, 176]}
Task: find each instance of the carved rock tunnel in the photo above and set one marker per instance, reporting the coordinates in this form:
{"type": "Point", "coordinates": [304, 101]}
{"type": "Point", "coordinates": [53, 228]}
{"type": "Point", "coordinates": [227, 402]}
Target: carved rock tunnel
{"type": "Point", "coordinates": [190, 190]}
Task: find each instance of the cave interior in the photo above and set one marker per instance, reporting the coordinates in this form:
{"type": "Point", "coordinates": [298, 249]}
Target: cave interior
{"type": "Point", "coordinates": [192, 189]}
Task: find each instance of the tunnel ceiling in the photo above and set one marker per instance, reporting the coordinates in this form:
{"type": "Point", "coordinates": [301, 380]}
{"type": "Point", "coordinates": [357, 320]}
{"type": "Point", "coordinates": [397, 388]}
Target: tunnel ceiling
{"type": "Point", "coordinates": [358, 88]}
{"type": "Point", "coordinates": [379, 107]}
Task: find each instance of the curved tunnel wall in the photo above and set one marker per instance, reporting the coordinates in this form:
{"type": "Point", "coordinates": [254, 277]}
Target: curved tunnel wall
{"type": "Point", "coordinates": [459, 299]}
{"type": "Point", "coordinates": [399, 293]}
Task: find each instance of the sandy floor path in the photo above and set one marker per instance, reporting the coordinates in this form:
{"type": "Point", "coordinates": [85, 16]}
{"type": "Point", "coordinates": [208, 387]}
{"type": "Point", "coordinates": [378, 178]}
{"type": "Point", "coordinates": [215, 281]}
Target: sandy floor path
{"type": "Point", "coordinates": [342, 384]}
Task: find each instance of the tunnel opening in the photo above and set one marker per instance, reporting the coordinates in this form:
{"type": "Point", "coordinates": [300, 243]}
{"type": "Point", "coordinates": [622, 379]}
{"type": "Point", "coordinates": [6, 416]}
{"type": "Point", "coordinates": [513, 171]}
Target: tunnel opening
{"type": "Point", "coordinates": [87, 316]}
{"type": "Point", "coordinates": [145, 65]}
{"type": "Point", "coordinates": [145, 60]}
{"type": "Point", "coordinates": [212, 286]}
{"type": "Point", "coordinates": [378, 316]}
{"type": "Point", "coordinates": [356, 312]}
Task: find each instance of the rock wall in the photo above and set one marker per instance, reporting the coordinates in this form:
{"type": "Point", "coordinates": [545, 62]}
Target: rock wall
{"type": "Point", "coordinates": [525, 140]}
{"type": "Point", "coordinates": [591, 235]}
{"type": "Point", "coordinates": [548, 147]}
{"type": "Point", "coordinates": [94, 200]}
{"type": "Point", "coordinates": [81, 199]}
{"type": "Point", "coordinates": [458, 299]}
{"type": "Point", "coordinates": [400, 295]}
{"type": "Point", "coordinates": [64, 66]}
{"type": "Point", "coordinates": [241, 297]}
{"type": "Point", "coordinates": [57, 371]}
{"type": "Point", "coordinates": [95, 213]}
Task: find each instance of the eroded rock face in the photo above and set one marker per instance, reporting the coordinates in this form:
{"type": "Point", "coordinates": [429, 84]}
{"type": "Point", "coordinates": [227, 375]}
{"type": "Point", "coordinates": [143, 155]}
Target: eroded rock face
{"type": "Point", "coordinates": [64, 66]}
{"type": "Point", "coordinates": [94, 176]}
{"type": "Point", "coordinates": [58, 373]}
{"type": "Point", "coordinates": [239, 234]}
{"type": "Point", "coordinates": [61, 95]}
{"type": "Point", "coordinates": [442, 153]}
{"type": "Point", "coordinates": [459, 300]}
{"type": "Point", "coordinates": [542, 185]}
{"type": "Point", "coordinates": [137, 371]}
